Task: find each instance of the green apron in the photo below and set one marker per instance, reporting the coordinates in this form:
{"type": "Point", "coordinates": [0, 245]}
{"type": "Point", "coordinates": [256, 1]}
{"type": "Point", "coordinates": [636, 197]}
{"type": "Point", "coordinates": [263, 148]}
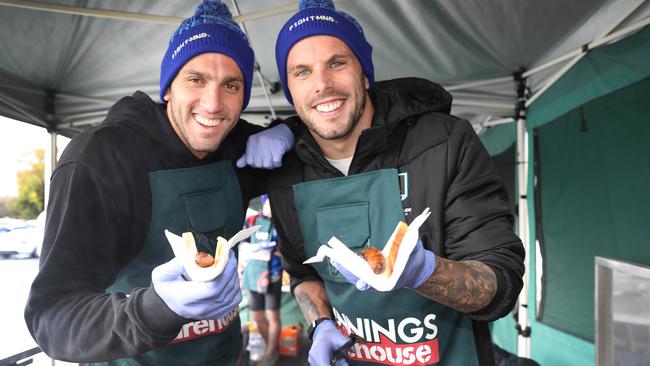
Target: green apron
{"type": "Point", "coordinates": [400, 327]}
{"type": "Point", "coordinates": [257, 273]}
{"type": "Point", "coordinates": [206, 199]}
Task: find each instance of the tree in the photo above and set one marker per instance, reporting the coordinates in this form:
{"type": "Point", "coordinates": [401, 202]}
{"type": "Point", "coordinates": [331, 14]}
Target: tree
{"type": "Point", "coordinates": [31, 186]}
{"type": "Point", "coordinates": [7, 206]}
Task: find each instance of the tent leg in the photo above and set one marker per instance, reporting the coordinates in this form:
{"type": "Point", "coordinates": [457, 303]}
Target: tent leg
{"type": "Point", "coordinates": [50, 164]}
{"type": "Point", "coordinates": [51, 153]}
{"type": "Point", "coordinates": [523, 322]}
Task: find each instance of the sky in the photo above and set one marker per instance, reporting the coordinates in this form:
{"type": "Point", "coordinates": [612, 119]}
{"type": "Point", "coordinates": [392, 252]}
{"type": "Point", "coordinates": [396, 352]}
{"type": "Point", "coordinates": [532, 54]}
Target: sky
{"type": "Point", "coordinates": [18, 139]}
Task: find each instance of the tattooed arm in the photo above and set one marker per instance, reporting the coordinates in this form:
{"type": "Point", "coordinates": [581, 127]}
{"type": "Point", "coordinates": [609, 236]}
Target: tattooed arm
{"type": "Point", "coordinates": [466, 286]}
{"type": "Point", "coordinates": [313, 301]}
{"type": "Point", "coordinates": [481, 263]}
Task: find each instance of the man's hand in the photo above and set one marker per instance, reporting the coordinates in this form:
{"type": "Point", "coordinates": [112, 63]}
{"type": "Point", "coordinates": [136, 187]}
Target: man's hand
{"type": "Point", "coordinates": [266, 148]}
{"type": "Point", "coordinates": [327, 340]}
{"type": "Point", "coordinates": [419, 268]}
{"type": "Point", "coordinates": [359, 284]}
{"type": "Point", "coordinates": [195, 299]}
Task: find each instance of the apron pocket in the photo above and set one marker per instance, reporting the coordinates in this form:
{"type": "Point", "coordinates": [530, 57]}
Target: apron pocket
{"type": "Point", "coordinates": [349, 223]}
{"type": "Point", "coordinates": [205, 210]}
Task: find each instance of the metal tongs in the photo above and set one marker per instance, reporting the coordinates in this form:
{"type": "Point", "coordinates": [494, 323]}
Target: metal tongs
{"type": "Point", "coordinates": [343, 350]}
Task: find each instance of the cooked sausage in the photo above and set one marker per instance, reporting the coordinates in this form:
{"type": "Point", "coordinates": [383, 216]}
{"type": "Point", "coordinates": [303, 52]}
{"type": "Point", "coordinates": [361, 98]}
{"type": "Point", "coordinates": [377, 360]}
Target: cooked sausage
{"type": "Point", "coordinates": [204, 259]}
{"type": "Point", "coordinates": [375, 259]}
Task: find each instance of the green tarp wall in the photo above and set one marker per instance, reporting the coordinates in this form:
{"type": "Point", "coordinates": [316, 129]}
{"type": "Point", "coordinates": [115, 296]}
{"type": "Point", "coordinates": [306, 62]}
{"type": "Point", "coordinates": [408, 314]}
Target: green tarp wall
{"type": "Point", "coordinates": [594, 168]}
{"type": "Point", "coordinates": [499, 141]}
{"type": "Point", "coordinates": [593, 147]}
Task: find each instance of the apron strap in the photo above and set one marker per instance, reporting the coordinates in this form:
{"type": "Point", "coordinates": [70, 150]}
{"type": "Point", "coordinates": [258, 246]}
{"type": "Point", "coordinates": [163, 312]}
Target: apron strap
{"type": "Point", "coordinates": [483, 343]}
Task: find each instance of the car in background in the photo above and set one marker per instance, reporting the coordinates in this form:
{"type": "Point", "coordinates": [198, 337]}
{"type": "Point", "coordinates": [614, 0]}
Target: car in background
{"type": "Point", "coordinates": [21, 240]}
{"type": "Point", "coordinates": [9, 223]}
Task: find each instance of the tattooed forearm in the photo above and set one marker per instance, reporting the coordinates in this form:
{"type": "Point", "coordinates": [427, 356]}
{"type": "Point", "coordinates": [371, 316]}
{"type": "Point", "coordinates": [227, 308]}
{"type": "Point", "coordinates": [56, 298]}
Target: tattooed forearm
{"type": "Point", "coordinates": [466, 286]}
{"type": "Point", "coordinates": [312, 299]}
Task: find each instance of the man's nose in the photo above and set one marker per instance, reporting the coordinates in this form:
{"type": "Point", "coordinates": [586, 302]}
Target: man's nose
{"type": "Point", "coordinates": [324, 80]}
{"type": "Point", "coordinates": [212, 99]}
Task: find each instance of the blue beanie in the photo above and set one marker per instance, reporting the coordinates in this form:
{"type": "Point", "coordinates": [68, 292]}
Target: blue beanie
{"type": "Point", "coordinates": [318, 17]}
{"type": "Point", "coordinates": [210, 29]}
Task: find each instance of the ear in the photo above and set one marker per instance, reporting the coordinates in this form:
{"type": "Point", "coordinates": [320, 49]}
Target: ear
{"type": "Point", "coordinates": [166, 96]}
{"type": "Point", "coordinates": [365, 79]}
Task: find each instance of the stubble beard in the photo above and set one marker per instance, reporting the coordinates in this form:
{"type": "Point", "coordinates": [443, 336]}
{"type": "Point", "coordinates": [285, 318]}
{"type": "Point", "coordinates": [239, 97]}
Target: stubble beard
{"type": "Point", "coordinates": [183, 130]}
{"type": "Point", "coordinates": [351, 123]}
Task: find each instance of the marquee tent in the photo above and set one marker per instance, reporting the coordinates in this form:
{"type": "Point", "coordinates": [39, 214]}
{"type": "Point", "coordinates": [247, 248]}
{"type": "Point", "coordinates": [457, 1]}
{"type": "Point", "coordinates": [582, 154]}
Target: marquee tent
{"type": "Point", "coordinates": [557, 90]}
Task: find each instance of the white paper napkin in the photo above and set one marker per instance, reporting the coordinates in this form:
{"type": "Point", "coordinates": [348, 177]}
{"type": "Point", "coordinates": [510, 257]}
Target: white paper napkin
{"type": "Point", "coordinates": [185, 251]}
{"type": "Point", "coordinates": [339, 252]}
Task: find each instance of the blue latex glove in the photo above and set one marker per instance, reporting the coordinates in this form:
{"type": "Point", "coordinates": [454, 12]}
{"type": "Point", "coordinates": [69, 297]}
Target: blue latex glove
{"type": "Point", "coordinates": [196, 299]}
{"type": "Point", "coordinates": [359, 284]}
{"type": "Point", "coordinates": [266, 148]}
{"type": "Point", "coordinates": [327, 339]}
{"type": "Point", "coordinates": [419, 268]}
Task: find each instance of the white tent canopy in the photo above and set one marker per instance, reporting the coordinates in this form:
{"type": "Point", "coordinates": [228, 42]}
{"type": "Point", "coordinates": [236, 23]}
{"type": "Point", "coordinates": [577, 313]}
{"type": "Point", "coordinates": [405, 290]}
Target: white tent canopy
{"type": "Point", "coordinates": [65, 62]}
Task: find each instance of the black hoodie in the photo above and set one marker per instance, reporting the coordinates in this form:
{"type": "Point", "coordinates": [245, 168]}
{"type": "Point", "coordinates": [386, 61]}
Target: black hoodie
{"type": "Point", "coordinates": [97, 221]}
{"type": "Point", "coordinates": [449, 171]}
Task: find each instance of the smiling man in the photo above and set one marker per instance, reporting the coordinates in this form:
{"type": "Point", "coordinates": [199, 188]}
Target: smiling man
{"type": "Point", "coordinates": [109, 288]}
{"type": "Point", "coordinates": [334, 112]}
{"type": "Point", "coordinates": [368, 156]}
{"type": "Point", "coordinates": [204, 101]}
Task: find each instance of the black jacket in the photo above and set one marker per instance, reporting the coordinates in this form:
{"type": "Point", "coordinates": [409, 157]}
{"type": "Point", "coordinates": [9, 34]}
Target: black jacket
{"type": "Point", "coordinates": [97, 221]}
{"type": "Point", "coordinates": [449, 171]}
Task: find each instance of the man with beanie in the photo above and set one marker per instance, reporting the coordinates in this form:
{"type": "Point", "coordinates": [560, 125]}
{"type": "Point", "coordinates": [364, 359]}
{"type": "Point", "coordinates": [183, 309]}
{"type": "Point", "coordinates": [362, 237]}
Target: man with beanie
{"type": "Point", "coordinates": [368, 156]}
{"type": "Point", "coordinates": [109, 288]}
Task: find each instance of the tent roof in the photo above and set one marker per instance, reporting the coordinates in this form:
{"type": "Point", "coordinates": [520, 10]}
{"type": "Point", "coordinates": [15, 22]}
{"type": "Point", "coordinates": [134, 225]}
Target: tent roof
{"type": "Point", "coordinates": [65, 70]}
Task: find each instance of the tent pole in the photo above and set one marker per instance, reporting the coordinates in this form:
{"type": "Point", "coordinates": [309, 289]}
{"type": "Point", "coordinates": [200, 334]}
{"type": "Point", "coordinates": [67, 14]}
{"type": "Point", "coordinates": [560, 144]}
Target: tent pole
{"type": "Point", "coordinates": [51, 153]}
{"type": "Point", "coordinates": [94, 100]}
{"type": "Point", "coordinates": [258, 72]}
{"type": "Point", "coordinates": [497, 122]}
{"type": "Point", "coordinates": [523, 321]}
{"type": "Point", "coordinates": [555, 78]}
{"type": "Point", "coordinates": [621, 33]}
{"type": "Point", "coordinates": [474, 84]}
{"type": "Point", "coordinates": [481, 103]}
{"type": "Point", "coordinates": [554, 62]}
{"type": "Point", "coordinates": [50, 164]}
{"type": "Point", "coordinates": [596, 41]}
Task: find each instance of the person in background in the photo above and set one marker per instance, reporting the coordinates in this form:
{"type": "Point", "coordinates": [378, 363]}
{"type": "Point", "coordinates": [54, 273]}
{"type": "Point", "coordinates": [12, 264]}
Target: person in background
{"type": "Point", "coordinates": [369, 155]}
{"type": "Point", "coordinates": [262, 277]}
{"type": "Point", "coordinates": [109, 289]}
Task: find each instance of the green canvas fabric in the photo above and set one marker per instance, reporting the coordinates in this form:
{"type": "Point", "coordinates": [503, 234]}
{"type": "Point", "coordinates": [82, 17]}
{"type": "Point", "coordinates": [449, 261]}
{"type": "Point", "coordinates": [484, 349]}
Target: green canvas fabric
{"type": "Point", "coordinates": [499, 141]}
{"type": "Point", "coordinates": [503, 334]}
{"type": "Point", "coordinates": [594, 172]}
{"type": "Point", "coordinates": [499, 138]}
{"type": "Point", "coordinates": [601, 72]}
